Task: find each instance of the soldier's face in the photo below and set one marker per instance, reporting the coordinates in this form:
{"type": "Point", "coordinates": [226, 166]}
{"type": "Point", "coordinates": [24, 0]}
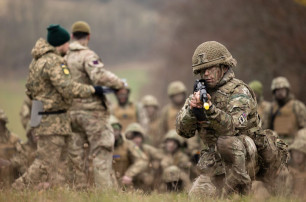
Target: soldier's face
{"type": "Point", "coordinates": [212, 75]}
{"type": "Point", "coordinates": [151, 110]}
{"type": "Point", "coordinates": [297, 157]}
{"type": "Point", "coordinates": [137, 140]}
{"type": "Point", "coordinates": [171, 146]}
{"type": "Point", "coordinates": [281, 94]}
{"type": "Point", "coordinates": [178, 99]}
{"type": "Point", "coordinates": [122, 96]}
{"type": "Point", "coordinates": [117, 133]}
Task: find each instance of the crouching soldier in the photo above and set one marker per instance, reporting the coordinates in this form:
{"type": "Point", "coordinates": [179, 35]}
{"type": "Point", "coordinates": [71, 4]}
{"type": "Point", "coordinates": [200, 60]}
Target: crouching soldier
{"type": "Point", "coordinates": [175, 164]}
{"type": "Point", "coordinates": [128, 160]}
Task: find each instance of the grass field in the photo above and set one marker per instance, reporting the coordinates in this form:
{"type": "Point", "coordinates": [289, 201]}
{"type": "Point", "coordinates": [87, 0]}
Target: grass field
{"type": "Point", "coordinates": [12, 93]}
{"type": "Point", "coordinates": [67, 195]}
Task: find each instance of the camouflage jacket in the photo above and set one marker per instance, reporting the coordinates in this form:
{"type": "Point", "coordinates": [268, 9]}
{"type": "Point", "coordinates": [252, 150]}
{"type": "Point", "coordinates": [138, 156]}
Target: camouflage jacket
{"type": "Point", "coordinates": [8, 138]}
{"type": "Point", "coordinates": [179, 159]}
{"type": "Point", "coordinates": [264, 110]}
{"type": "Point", "coordinates": [50, 82]}
{"type": "Point", "coordinates": [86, 67]}
{"type": "Point", "coordinates": [128, 159]}
{"type": "Point", "coordinates": [233, 112]}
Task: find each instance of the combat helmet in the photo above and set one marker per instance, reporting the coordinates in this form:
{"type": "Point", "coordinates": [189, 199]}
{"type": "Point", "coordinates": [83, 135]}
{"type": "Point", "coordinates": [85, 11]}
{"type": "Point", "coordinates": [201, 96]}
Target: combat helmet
{"type": "Point", "coordinates": [280, 82]}
{"type": "Point", "coordinates": [256, 87]}
{"type": "Point", "coordinates": [3, 116]}
{"type": "Point", "coordinates": [171, 174]}
{"type": "Point", "coordinates": [299, 142]}
{"type": "Point", "coordinates": [80, 26]}
{"type": "Point", "coordinates": [209, 54]}
{"type": "Point", "coordinates": [172, 135]}
{"type": "Point", "coordinates": [134, 127]}
{"type": "Point", "coordinates": [149, 100]}
{"type": "Point", "coordinates": [176, 87]}
{"type": "Point", "coordinates": [114, 121]}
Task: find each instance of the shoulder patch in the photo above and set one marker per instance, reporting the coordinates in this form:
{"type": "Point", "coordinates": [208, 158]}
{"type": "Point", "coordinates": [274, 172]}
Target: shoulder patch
{"type": "Point", "coordinates": [242, 118]}
{"type": "Point", "coordinates": [95, 62]}
{"type": "Point", "coordinates": [65, 69]}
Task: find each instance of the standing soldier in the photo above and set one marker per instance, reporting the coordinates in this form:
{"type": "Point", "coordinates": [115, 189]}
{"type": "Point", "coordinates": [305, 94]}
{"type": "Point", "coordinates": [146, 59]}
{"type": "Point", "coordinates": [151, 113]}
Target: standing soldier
{"type": "Point", "coordinates": [288, 115]}
{"type": "Point", "coordinates": [232, 113]}
{"type": "Point", "coordinates": [128, 159]}
{"type": "Point", "coordinates": [151, 107]}
{"type": "Point", "coordinates": [263, 106]}
{"type": "Point", "coordinates": [51, 90]}
{"type": "Point", "coordinates": [177, 93]}
{"type": "Point", "coordinates": [90, 116]}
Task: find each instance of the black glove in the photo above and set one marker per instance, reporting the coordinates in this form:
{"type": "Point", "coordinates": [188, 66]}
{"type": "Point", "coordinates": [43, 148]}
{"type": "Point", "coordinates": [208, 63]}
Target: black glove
{"type": "Point", "coordinates": [99, 90]}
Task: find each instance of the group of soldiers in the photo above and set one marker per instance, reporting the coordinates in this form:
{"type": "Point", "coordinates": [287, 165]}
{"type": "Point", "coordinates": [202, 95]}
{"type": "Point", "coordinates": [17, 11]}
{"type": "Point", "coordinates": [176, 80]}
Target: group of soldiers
{"type": "Point", "coordinates": [76, 137]}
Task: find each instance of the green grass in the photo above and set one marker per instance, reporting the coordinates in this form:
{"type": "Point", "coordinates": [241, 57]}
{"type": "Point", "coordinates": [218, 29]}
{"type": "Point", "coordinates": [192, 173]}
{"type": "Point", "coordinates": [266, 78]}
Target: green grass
{"type": "Point", "coordinates": [12, 93]}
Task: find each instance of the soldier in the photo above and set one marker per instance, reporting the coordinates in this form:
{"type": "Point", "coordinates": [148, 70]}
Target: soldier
{"type": "Point", "coordinates": [51, 90]}
{"type": "Point", "coordinates": [232, 112]}
{"type": "Point", "coordinates": [7, 151]}
{"type": "Point", "coordinates": [128, 159]}
{"type": "Point", "coordinates": [148, 179]}
{"type": "Point", "coordinates": [25, 112]}
{"type": "Point", "coordinates": [125, 110]}
{"type": "Point", "coordinates": [89, 117]}
{"type": "Point", "coordinates": [175, 164]}
{"type": "Point", "coordinates": [297, 164]}
{"type": "Point", "coordinates": [288, 115]}
{"type": "Point", "coordinates": [263, 106]}
{"type": "Point", "coordinates": [177, 93]}
{"type": "Point", "coordinates": [151, 107]}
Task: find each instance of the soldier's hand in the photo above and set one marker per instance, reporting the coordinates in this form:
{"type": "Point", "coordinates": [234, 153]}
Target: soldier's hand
{"type": "Point", "coordinates": [126, 180]}
{"type": "Point", "coordinates": [195, 101]}
{"type": "Point", "coordinates": [98, 90]}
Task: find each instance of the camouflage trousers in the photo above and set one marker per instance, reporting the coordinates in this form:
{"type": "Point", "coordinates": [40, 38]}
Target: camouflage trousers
{"type": "Point", "coordinates": [49, 164]}
{"type": "Point", "coordinates": [91, 128]}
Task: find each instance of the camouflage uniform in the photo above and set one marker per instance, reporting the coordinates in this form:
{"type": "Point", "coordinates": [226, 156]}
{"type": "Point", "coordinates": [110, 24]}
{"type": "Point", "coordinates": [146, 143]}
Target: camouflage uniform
{"type": "Point", "coordinates": [7, 151]}
{"type": "Point", "coordinates": [287, 119]}
{"type": "Point", "coordinates": [169, 112]}
{"type": "Point", "coordinates": [49, 81]}
{"type": "Point", "coordinates": [153, 132]}
{"type": "Point", "coordinates": [25, 112]}
{"type": "Point", "coordinates": [126, 114]}
{"type": "Point", "coordinates": [90, 116]}
{"type": "Point", "coordinates": [233, 113]}
{"type": "Point", "coordinates": [147, 179]}
{"type": "Point", "coordinates": [128, 159]}
{"type": "Point", "coordinates": [298, 172]}
{"type": "Point", "coordinates": [176, 166]}
{"type": "Point", "coordinates": [263, 106]}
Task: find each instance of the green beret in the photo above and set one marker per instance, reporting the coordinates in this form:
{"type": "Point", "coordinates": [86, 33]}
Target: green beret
{"type": "Point", "coordinates": [80, 26]}
{"type": "Point", "coordinates": [57, 35]}
{"type": "Point", "coordinates": [256, 87]}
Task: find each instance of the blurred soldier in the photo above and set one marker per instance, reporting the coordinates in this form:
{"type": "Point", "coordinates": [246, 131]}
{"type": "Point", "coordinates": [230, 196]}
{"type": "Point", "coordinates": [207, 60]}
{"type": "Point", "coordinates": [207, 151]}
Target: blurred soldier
{"type": "Point", "coordinates": [25, 112]}
{"type": "Point", "coordinates": [148, 179]}
{"type": "Point", "coordinates": [297, 164]}
{"type": "Point", "coordinates": [7, 150]}
{"type": "Point", "coordinates": [177, 93]}
{"type": "Point", "coordinates": [177, 160]}
{"type": "Point", "coordinates": [125, 110]}
{"type": "Point", "coordinates": [151, 107]}
{"type": "Point", "coordinates": [89, 117]}
{"type": "Point", "coordinates": [288, 115]}
{"type": "Point", "coordinates": [128, 159]}
{"type": "Point", "coordinates": [51, 90]}
{"type": "Point", "coordinates": [232, 112]}
{"type": "Point", "coordinates": [263, 107]}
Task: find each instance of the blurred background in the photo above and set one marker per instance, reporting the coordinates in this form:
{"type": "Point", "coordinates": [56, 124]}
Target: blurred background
{"type": "Point", "coordinates": [151, 42]}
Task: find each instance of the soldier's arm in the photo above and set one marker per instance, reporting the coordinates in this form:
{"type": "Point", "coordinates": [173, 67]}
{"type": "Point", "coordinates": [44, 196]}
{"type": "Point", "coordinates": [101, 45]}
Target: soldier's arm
{"type": "Point", "coordinates": [184, 162]}
{"type": "Point", "coordinates": [300, 111]}
{"type": "Point", "coordinates": [139, 159]}
{"type": "Point", "coordinates": [154, 152]}
{"type": "Point", "coordinates": [186, 122]}
{"type": "Point", "coordinates": [239, 107]}
{"type": "Point", "coordinates": [98, 74]}
{"type": "Point", "coordinates": [61, 80]}
{"type": "Point", "coordinates": [25, 111]}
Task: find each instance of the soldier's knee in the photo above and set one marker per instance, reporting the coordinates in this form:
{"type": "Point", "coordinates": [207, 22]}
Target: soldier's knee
{"type": "Point", "coordinates": [230, 147]}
